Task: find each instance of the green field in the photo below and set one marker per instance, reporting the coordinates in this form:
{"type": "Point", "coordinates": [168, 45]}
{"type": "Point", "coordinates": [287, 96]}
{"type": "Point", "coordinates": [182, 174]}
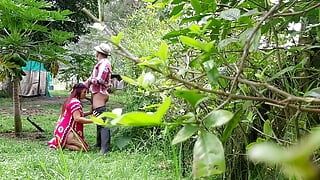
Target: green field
{"type": "Point", "coordinates": [29, 157]}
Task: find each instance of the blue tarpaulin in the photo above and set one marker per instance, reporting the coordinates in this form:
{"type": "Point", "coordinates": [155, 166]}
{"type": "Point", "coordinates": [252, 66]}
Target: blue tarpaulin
{"type": "Point", "coordinates": [37, 80]}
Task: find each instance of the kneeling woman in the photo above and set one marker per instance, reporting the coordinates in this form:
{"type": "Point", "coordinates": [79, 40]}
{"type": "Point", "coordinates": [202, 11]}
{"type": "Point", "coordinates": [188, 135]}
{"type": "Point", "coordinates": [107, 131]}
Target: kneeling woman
{"type": "Point", "coordinates": [69, 129]}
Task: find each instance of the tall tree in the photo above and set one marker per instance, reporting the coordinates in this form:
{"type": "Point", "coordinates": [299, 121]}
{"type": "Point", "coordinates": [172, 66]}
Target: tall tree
{"type": "Point", "coordinates": [79, 21]}
{"type": "Point", "coordinates": [25, 33]}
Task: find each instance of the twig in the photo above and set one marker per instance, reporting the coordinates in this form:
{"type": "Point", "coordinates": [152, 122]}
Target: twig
{"type": "Point", "coordinates": [289, 97]}
{"type": "Point", "coordinates": [298, 12]}
{"type": "Point", "coordinates": [188, 71]}
{"type": "Point", "coordinates": [88, 13]}
{"type": "Point", "coordinates": [122, 51]}
{"type": "Point", "coordinates": [280, 140]}
{"type": "Point", "coordinates": [246, 50]}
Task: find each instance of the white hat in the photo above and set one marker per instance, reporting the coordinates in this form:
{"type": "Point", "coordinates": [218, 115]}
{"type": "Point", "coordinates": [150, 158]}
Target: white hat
{"type": "Point", "coordinates": [103, 48]}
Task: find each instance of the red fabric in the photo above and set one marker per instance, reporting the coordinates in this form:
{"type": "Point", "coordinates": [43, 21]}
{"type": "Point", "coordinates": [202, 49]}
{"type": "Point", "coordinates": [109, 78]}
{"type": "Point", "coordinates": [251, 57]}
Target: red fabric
{"type": "Point", "coordinates": [99, 81]}
{"type": "Point", "coordinates": [65, 124]}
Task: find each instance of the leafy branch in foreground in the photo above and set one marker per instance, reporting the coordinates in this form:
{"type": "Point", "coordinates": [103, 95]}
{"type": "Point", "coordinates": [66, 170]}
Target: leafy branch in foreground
{"type": "Point", "coordinates": [296, 161]}
{"type": "Point", "coordinates": [246, 58]}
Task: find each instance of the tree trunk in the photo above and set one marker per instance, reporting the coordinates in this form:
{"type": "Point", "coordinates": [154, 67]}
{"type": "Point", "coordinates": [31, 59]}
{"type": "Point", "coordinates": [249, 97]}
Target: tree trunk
{"type": "Point", "coordinates": [16, 107]}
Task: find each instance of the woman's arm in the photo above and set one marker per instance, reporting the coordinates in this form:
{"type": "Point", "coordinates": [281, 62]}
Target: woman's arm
{"type": "Point", "coordinates": [87, 113]}
{"type": "Point", "coordinates": [78, 118]}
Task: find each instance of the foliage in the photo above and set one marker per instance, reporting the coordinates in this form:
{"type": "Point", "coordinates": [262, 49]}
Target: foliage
{"type": "Point", "coordinates": [218, 57]}
{"type": "Point", "coordinates": [78, 66]}
{"type": "Point", "coordinates": [25, 34]}
{"type": "Point", "coordinates": [226, 53]}
{"type": "Point", "coordinates": [79, 21]}
{"type": "Point", "coordinates": [295, 161]}
{"type": "Point", "coordinates": [134, 118]}
{"type": "Point", "coordinates": [29, 157]}
{"type": "Point", "coordinates": [120, 16]}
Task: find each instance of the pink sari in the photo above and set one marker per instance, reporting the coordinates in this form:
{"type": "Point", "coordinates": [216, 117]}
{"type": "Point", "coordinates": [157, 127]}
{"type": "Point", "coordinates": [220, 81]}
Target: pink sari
{"type": "Point", "coordinates": [66, 125]}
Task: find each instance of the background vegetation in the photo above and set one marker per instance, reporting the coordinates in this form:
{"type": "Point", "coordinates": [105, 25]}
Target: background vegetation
{"type": "Point", "coordinates": [242, 76]}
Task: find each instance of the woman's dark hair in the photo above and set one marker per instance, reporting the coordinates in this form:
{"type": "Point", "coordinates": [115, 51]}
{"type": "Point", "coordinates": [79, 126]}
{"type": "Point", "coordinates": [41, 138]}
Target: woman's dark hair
{"type": "Point", "coordinates": [75, 93]}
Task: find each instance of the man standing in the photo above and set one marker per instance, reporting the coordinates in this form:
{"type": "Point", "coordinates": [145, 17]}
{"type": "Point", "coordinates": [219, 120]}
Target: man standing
{"type": "Point", "coordinates": [99, 85]}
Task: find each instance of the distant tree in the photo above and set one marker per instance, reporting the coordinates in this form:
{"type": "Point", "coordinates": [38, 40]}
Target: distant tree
{"type": "Point", "coordinates": [25, 34]}
{"type": "Point", "coordinates": [79, 21]}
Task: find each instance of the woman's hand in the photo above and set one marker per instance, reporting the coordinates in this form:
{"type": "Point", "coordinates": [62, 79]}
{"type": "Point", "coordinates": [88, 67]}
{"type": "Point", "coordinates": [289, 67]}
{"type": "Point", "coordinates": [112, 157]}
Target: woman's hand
{"type": "Point", "coordinates": [78, 118]}
{"type": "Point", "coordinates": [88, 113]}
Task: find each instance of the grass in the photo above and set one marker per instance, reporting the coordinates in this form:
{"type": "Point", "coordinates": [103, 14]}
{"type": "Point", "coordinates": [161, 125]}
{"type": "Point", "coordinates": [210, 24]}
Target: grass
{"type": "Point", "coordinates": [33, 160]}
{"type": "Point", "coordinates": [30, 158]}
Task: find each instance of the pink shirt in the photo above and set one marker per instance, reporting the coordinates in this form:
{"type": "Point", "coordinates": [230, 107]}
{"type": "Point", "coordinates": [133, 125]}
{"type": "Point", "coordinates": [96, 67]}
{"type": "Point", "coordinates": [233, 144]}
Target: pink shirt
{"type": "Point", "coordinates": [66, 123]}
{"type": "Point", "coordinates": [99, 81]}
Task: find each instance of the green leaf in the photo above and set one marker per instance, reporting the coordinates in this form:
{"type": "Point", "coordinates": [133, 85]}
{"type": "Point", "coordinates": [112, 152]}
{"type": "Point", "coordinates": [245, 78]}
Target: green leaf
{"type": "Point", "coordinates": [230, 14]}
{"type": "Point", "coordinates": [129, 80]}
{"type": "Point", "coordinates": [191, 96]}
{"type": "Point", "coordinates": [195, 28]}
{"type": "Point", "coordinates": [295, 160]}
{"type": "Point", "coordinates": [213, 75]}
{"type": "Point", "coordinates": [173, 34]}
{"type": "Point", "coordinates": [177, 9]}
{"type": "Point", "coordinates": [196, 43]}
{"type": "Point", "coordinates": [98, 121]}
{"type": "Point", "coordinates": [313, 93]}
{"type": "Point", "coordinates": [250, 13]}
{"type": "Point", "coordinates": [122, 141]}
{"type": "Point", "coordinates": [208, 47]}
{"type": "Point", "coordinates": [233, 123]}
{"type": "Point", "coordinates": [136, 119]}
{"type": "Point", "coordinates": [185, 133]}
{"type": "Point", "coordinates": [163, 108]}
{"type": "Point", "coordinates": [117, 39]}
{"type": "Point", "coordinates": [222, 44]}
{"type": "Point", "coordinates": [244, 36]}
{"type": "Point", "coordinates": [267, 129]}
{"type": "Point", "coordinates": [187, 118]}
{"type": "Point", "coordinates": [191, 42]}
{"type": "Point", "coordinates": [266, 152]}
{"type": "Point", "coordinates": [151, 62]}
{"type": "Point", "coordinates": [163, 52]}
{"type": "Point", "coordinates": [60, 37]}
{"type": "Point", "coordinates": [196, 6]}
{"type": "Point", "coordinates": [208, 156]}
{"type": "Point", "coordinates": [217, 118]}
{"type": "Point", "coordinates": [282, 72]}
{"type": "Point", "coordinates": [149, 1]}
{"type": "Point", "coordinates": [143, 119]}
{"type": "Point", "coordinates": [176, 1]}
{"type": "Point", "coordinates": [211, 5]}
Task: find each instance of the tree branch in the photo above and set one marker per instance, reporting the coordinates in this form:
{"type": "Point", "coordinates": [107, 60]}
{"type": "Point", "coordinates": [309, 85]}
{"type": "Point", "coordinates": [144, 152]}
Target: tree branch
{"type": "Point", "coordinates": [289, 97]}
{"type": "Point", "coordinates": [298, 12]}
{"type": "Point", "coordinates": [246, 50]}
{"type": "Point", "coordinates": [124, 52]}
{"type": "Point", "coordinates": [88, 13]}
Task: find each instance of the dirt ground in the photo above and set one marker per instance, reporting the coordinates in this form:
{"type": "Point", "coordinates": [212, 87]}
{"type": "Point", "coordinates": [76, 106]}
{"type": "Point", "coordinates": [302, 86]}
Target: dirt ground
{"type": "Point", "coordinates": [24, 136]}
{"type": "Point", "coordinates": [37, 105]}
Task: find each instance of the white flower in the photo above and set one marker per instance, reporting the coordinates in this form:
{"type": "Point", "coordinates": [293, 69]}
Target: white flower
{"type": "Point", "coordinates": [98, 26]}
{"type": "Point", "coordinates": [294, 26]}
{"type": "Point", "coordinates": [274, 1]}
{"type": "Point", "coordinates": [117, 111]}
{"type": "Point", "coordinates": [148, 78]}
